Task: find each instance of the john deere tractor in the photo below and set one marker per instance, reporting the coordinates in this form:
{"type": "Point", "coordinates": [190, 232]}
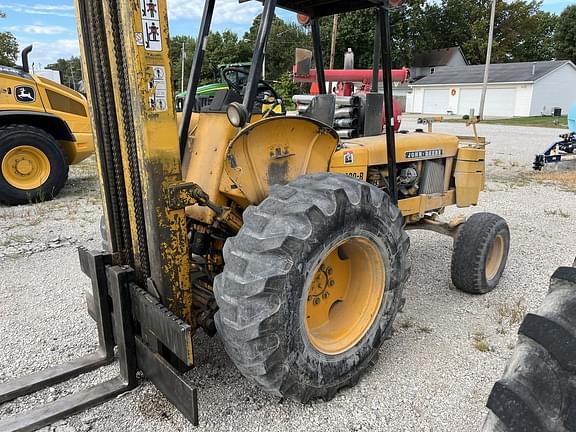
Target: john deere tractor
{"type": "Point", "coordinates": [264, 227]}
{"type": "Point", "coordinates": [44, 127]}
{"type": "Point", "coordinates": [229, 74]}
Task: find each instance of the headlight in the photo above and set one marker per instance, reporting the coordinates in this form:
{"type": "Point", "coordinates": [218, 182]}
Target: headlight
{"type": "Point", "coordinates": [237, 114]}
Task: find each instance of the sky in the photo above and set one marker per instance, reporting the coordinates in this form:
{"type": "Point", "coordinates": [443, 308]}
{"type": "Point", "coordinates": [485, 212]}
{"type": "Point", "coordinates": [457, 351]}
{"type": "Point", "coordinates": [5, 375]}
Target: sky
{"type": "Point", "coordinates": [51, 27]}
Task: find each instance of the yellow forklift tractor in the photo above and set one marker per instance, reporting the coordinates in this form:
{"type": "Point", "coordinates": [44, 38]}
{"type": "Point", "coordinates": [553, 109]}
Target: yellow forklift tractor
{"type": "Point", "coordinates": [266, 228]}
{"type": "Point", "coordinates": [44, 127]}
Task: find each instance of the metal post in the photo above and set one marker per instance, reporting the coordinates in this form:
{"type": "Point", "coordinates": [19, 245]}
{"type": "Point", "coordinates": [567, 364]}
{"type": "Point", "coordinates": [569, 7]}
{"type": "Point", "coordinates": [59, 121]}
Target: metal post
{"type": "Point", "coordinates": [194, 79]}
{"type": "Point", "coordinates": [384, 18]}
{"type": "Point", "coordinates": [318, 58]}
{"type": "Point", "coordinates": [376, 56]}
{"type": "Point", "coordinates": [488, 55]}
{"type": "Point", "coordinates": [258, 56]}
{"type": "Point", "coordinates": [333, 45]}
{"type": "Point", "coordinates": [182, 55]}
{"type": "Point", "coordinates": [374, 99]}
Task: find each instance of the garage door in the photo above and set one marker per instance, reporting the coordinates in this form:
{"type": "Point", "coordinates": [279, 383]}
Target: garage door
{"type": "Point", "coordinates": [500, 102]}
{"type": "Point", "coordinates": [435, 101]}
{"type": "Point", "coordinates": [469, 99]}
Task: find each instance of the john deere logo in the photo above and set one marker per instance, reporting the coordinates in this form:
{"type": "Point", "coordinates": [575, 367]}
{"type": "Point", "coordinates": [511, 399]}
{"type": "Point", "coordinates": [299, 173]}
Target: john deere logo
{"type": "Point", "coordinates": [25, 94]}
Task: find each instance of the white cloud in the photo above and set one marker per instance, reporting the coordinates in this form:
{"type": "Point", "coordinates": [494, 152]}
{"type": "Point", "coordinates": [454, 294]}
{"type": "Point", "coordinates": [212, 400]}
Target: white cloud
{"type": "Point", "coordinates": [44, 53]}
{"type": "Point", "coordinates": [64, 10]}
{"type": "Point", "coordinates": [225, 12]}
{"type": "Point", "coordinates": [38, 29]}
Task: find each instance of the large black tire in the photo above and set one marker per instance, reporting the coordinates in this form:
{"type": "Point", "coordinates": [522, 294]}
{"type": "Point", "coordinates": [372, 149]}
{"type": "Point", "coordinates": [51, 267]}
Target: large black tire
{"type": "Point", "coordinates": [473, 247]}
{"type": "Point", "coordinates": [12, 136]}
{"type": "Point", "coordinates": [261, 293]}
{"type": "Point", "coordinates": [538, 389]}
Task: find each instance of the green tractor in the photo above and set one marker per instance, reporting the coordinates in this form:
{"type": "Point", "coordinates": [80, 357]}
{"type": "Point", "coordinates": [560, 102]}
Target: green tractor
{"type": "Point", "coordinates": [231, 73]}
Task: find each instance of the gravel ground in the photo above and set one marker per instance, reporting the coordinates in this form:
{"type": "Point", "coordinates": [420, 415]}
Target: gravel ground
{"type": "Point", "coordinates": [433, 375]}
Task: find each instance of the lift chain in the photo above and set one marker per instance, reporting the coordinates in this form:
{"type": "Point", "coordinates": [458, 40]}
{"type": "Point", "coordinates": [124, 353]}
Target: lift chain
{"type": "Point", "coordinates": [104, 113]}
{"type": "Point", "coordinates": [142, 263]}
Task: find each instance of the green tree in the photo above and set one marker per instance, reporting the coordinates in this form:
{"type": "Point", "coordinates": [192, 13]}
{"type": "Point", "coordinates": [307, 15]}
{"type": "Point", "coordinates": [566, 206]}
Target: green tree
{"type": "Point", "coordinates": [223, 48]}
{"type": "Point", "coordinates": [522, 31]}
{"type": "Point", "coordinates": [177, 62]}
{"type": "Point", "coordinates": [282, 42]}
{"type": "Point", "coordinates": [565, 35]}
{"type": "Point", "coordinates": [8, 47]}
{"type": "Point", "coordinates": [286, 88]}
{"type": "Point", "coordinates": [70, 71]}
{"type": "Point", "coordinates": [355, 30]}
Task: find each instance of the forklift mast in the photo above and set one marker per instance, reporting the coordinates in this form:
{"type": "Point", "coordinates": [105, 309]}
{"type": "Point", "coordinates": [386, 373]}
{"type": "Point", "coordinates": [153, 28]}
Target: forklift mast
{"type": "Point", "coordinates": [137, 142]}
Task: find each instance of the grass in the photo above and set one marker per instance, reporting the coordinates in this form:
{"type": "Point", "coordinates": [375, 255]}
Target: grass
{"type": "Point", "coordinates": [480, 342]}
{"type": "Point", "coordinates": [14, 238]}
{"type": "Point", "coordinates": [29, 215]}
{"type": "Point", "coordinates": [535, 121]}
{"type": "Point", "coordinates": [509, 314]}
{"type": "Point", "coordinates": [407, 323]}
{"type": "Point", "coordinates": [565, 179]}
{"type": "Point", "coordinates": [425, 329]}
{"type": "Point", "coordinates": [521, 179]}
{"type": "Point", "coordinates": [558, 212]}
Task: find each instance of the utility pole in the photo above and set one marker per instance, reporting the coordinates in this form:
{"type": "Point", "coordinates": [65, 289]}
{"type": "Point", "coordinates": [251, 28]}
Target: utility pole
{"type": "Point", "coordinates": [182, 57]}
{"type": "Point", "coordinates": [264, 63]}
{"type": "Point", "coordinates": [72, 79]}
{"type": "Point", "coordinates": [333, 44]}
{"type": "Point", "coordinates": [488, 55]}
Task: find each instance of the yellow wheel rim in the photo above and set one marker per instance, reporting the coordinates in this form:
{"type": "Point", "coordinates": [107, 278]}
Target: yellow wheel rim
{"type": "Point", "coordinates": [25, 167]}
{"type": "Point", "coordinates": [344, 295]}
{"type": "Point", "coordinates": [494, 258]}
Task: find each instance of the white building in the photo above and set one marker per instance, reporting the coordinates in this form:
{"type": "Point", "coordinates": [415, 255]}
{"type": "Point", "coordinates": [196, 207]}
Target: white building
{"type": "Point", "coordinates": [514, 89]}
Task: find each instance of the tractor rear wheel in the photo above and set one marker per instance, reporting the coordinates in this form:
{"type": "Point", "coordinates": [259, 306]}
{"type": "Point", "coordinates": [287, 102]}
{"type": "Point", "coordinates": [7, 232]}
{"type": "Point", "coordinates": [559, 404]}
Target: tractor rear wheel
{"type": "Point", "coordinates": [480, 253]}
{"type": "Point", "coordinates": [33, 167]}
{"type": "Point", "coordinates": [311, 285]}
{"type": "Point", "coordinates": [538, 389]}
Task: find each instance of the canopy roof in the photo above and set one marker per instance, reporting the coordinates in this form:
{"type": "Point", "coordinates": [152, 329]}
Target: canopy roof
{"type": "Point", "coordinates": [318, 8]}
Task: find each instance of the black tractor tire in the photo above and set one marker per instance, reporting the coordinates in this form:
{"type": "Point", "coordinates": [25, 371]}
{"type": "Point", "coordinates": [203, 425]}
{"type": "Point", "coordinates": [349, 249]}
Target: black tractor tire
{"type": "Point", "coordinates": [472, 249]}
{"type": "Point", "coordinates": [261, 293]}
{"type": "Point", "coordinates": [538, 389]}
{"type": "Point", "coordinates": [16, 135]}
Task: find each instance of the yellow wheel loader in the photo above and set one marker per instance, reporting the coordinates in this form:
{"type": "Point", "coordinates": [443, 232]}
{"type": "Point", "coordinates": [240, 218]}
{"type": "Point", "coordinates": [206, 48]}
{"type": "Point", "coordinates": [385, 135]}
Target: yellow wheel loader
{"type": "Point", "coordinates": [266, 228]}
{"type": "Point", "coordinates": [44, 127]}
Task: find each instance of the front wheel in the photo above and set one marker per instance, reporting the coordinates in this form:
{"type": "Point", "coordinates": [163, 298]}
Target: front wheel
{"type": "Point", "coordinates": [33, 167]}
{"type": "Point", "coordinates": [480, 253]}
{"type": "Point", "coordinates": [311, 285]}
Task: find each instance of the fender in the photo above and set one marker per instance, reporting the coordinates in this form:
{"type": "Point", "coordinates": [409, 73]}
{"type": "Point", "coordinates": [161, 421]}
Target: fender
{"type": "Point", "coordinates": [53, 125]}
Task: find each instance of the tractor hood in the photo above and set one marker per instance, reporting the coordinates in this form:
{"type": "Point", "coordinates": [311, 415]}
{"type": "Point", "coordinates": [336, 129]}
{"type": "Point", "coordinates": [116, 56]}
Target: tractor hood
{"type": "Point", "coordinates": [61, 88]}
{"type": "Point", "coordinates": [410, 147]}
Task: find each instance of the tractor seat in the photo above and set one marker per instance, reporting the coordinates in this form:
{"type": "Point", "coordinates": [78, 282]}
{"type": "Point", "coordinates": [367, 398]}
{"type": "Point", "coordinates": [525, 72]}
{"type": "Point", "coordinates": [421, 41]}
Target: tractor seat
{"type": "Point", "coordinates": [221, 100]}
{"type": "Point", "coordinates": [322, 108]}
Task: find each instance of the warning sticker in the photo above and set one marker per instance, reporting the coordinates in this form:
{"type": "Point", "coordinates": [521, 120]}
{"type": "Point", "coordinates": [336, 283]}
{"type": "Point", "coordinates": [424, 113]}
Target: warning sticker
{"type": "Point", "coordinates": [348, 157]}
{"type": "Point", "coordinates": [139, 38]}
{"type": "Point", "coordinates": [151, 32]}
{"type": "Point", "coordinates": [158, 101]}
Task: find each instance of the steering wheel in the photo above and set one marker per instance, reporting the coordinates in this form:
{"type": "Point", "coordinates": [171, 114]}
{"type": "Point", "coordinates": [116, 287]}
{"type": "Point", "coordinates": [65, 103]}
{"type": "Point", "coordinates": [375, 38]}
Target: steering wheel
{"type": "Point", "coordinates": [262, 85]}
